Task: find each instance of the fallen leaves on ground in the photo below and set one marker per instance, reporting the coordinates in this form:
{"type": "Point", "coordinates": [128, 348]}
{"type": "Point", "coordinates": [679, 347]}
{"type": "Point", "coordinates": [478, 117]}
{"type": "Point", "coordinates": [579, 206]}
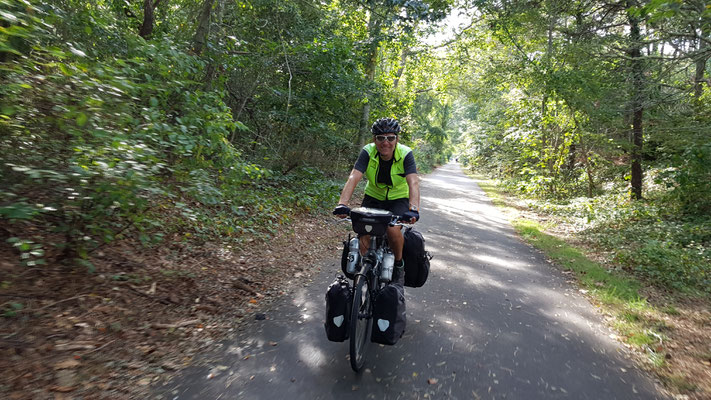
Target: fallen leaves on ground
{"type": "Point", "coordinates": [145, 313]}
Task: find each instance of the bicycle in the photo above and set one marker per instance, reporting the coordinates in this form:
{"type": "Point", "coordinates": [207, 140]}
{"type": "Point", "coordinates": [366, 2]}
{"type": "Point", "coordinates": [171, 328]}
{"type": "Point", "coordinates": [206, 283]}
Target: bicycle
{"type": "Point", "coordinates": [367, 281]}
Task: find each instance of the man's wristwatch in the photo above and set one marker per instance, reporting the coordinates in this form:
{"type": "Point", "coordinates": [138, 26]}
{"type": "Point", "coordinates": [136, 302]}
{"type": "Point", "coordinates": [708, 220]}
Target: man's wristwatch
{"type": "Point", "coordinates": [414, 208]}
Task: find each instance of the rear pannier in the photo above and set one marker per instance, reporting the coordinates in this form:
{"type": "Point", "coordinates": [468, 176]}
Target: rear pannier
{"type": "Point", "coordinates": [416, 258]}
{"type": "Point", "coordinates": [389, 317]}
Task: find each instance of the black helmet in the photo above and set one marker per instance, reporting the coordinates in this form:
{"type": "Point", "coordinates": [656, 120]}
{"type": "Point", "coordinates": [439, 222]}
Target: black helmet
{"type": "Point", "coordinates": [385, 125]}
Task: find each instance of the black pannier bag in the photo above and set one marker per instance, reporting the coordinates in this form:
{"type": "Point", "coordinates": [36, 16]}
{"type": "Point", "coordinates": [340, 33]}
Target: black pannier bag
{"type": "Point", "coordinates": [389, 317]}
{"type": "Point", "coordinates": [370, 221]}
{"type": "Point", "coordinates": [338, 309]}
{"type": "Point", "coordinates": [416, 258]}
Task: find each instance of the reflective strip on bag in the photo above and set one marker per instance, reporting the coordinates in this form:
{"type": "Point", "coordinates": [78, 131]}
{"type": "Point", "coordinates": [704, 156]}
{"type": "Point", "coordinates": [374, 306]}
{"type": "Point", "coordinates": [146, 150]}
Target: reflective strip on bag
{"type": "Point", "coordinates": [383, 325]}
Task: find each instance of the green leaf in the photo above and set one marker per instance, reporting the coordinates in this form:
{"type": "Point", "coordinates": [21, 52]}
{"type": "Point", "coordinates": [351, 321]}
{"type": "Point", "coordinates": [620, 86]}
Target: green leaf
{"type": "Point", "coordinates": [241, 126]}
{"type": "Point", "coordinates": [37, 252]}
{"type": "Point", "coordinates": [11, 18]}
{"type": "Point", "coordinates": [15, 31]}
{"type": "Point", "coordinates": [7, 49]}
{"type": "Point", "coordinates": [56, 51]}
{"type": "Point", "coordinates": [82, 119]}
{"type": "Point", "coordinates": [18, 211]}
{"type": "Point", "coordinates": [65, 70]}
{"type": "Point", "coordinates": [7, 110]}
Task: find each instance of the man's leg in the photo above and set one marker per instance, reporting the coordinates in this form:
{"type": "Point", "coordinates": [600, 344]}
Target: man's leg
{"type": "Point", "coordinates": [364, 243]}
{"type": "Point", "coordinates": [396, 241]}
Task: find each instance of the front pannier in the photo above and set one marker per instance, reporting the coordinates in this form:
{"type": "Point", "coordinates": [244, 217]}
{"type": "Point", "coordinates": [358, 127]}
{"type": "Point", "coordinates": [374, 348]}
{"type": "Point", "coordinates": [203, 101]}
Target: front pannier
{"type": "Point", "coordinates": [416, 258]}
{"type": "Point", "coordinates": [389, 317]}
{"type": "Point", "coordinates": [370, 221]}
{"type": "Point", "coordinates": [338, 309]}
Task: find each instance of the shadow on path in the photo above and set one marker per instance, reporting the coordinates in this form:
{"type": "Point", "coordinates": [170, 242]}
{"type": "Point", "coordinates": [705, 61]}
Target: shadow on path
{"type": "Point", "coordinates": [494, 321]}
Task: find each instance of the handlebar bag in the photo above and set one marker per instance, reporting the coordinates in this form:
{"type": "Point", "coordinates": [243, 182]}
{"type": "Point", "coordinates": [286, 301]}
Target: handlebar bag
{"type": "Point", "coordinates": [338, 306]}
{"type": "Point", "coordinates": [370, 221]}
{"type": "Point", "coordinates": [416, 258]}
{"type": "Point", "coordinates": [389, 318]}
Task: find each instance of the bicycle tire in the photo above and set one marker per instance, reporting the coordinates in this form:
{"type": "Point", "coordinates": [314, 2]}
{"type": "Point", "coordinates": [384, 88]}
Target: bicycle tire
{"type": "Point", "coordinates": [361, 322]}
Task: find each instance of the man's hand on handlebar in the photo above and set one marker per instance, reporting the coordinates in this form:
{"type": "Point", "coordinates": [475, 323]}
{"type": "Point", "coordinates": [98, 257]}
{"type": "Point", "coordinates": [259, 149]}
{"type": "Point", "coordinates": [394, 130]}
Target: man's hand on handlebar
{"type": "Point", "coordinates": [342, 211]}
{"type": "Point", "coordinates": [410, 216]}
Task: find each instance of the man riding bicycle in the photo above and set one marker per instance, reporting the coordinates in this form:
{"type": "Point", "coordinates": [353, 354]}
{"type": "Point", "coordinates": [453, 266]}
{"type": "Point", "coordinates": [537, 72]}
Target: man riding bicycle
{"type": "Point", "coordinates": [393, 185]}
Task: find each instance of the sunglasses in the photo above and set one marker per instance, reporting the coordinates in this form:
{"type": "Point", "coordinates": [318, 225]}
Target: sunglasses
{"type": "Point", "coordinates": [390, 138]}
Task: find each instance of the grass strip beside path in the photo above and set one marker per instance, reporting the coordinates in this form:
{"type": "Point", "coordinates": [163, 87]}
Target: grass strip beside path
{"type": "Point", "coordinates": [611, 288]}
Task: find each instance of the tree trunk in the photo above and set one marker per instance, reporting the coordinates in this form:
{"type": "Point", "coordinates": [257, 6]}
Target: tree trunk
{"type": "Point", "coordinates": [401, 69]}
{"type": "Point", "coordinates": [588, 165]}
{"type": "Point", "coordinates": [203, 29]}
{"type": "Point", "coordinates": [700, 67]}
{"type": "Point", "coordinates": [371, 63]}
{"type": "Point", "coordinates": [636, 108]}
{"type": "Point", "coordinates": [211, 69]}
{"type": "Point", "coordinates": [148, 16]}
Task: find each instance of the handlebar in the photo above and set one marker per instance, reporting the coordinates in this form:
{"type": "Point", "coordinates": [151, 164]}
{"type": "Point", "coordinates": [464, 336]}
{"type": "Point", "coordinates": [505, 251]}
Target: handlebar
{"type": "Point", "coordinates": [393, 222]}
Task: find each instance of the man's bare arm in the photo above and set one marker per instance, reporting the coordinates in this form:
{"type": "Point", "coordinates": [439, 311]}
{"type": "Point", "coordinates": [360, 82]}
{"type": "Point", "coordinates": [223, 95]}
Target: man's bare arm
{"type": "Point", "coordinates": [413, 181]}
{"type": "Point", "coordinates": [350, 186]}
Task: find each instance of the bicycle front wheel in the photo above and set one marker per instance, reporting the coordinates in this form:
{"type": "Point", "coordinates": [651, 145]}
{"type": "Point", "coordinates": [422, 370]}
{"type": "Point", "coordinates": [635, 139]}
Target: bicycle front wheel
{"type": "Point", "coordinates": [361, 322]}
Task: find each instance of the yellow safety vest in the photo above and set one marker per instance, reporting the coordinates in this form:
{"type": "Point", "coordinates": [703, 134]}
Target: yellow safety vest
{"type": "Point", "coordinates": [399, 189]}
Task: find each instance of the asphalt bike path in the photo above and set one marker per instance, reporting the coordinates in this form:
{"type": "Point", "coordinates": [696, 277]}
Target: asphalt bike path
{"type": "Point", "coordinates": [494, 321]}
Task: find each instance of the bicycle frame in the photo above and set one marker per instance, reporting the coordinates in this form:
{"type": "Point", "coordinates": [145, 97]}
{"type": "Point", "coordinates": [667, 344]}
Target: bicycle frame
{"type": "Point", "coordinates": [370, 267]}
{"type": "Point", "coordinates": [366, 285]}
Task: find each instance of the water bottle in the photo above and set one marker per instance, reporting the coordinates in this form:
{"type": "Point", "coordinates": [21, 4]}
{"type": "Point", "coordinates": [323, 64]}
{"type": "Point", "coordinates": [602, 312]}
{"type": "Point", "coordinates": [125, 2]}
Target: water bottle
{"type": "Point", "coordinates": [386, 272]}
{"type": "Point", "coordinates": [353, 255]}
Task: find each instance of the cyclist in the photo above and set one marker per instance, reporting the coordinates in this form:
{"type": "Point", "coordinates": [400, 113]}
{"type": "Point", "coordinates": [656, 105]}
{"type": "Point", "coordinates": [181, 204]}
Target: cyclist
{"type": "Point", "coordinates": [393, 185]}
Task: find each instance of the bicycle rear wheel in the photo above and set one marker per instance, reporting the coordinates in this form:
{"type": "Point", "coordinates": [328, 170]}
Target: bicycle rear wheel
{"type": "Point", "coordinates": [361, 322]}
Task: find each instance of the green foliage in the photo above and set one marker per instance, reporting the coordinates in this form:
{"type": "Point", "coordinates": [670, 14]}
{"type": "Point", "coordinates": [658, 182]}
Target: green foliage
{"type": "Point", "coordinates": [549, 113]}
{"type": "Point", "coordinates": [22, 26]}
{"type": "Point", "coordinates": [646, 238]}
{"type": "Point", "coordinates": [106, 135]}
{"type": "Point", "coordinates": [98, 143]}
{"type": "Point", "coordinates": [690, 180]}
{"type": "Point", "coordinates": [551, 100]}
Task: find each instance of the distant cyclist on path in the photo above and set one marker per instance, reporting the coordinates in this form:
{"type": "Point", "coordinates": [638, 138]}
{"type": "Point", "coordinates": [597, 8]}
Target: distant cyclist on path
{"type": "Point", "coordinates": [393, 185]}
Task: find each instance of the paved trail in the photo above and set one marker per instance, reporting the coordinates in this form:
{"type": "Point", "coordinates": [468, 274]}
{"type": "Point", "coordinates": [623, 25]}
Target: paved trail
{"type": "Point", "coordinates": [494, 321]}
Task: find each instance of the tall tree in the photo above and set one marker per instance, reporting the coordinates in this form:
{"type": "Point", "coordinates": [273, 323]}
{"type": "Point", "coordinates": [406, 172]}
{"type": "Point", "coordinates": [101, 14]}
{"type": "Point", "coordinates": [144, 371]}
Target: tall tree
{"type": "Point", "coordinates": [637, 91]}
{"type": "Point", "coordinates": [203, 28]}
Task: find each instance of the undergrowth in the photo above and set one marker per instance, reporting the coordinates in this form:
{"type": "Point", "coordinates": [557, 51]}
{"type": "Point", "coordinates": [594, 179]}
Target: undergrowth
{"type": "Point", "coordinates": [649, 238]}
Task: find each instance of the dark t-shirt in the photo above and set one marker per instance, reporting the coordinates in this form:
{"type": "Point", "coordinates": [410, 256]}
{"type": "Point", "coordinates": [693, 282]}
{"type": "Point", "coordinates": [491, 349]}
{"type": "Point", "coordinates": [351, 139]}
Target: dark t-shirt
{"type": "Point", "coordinates": [384, 170]}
